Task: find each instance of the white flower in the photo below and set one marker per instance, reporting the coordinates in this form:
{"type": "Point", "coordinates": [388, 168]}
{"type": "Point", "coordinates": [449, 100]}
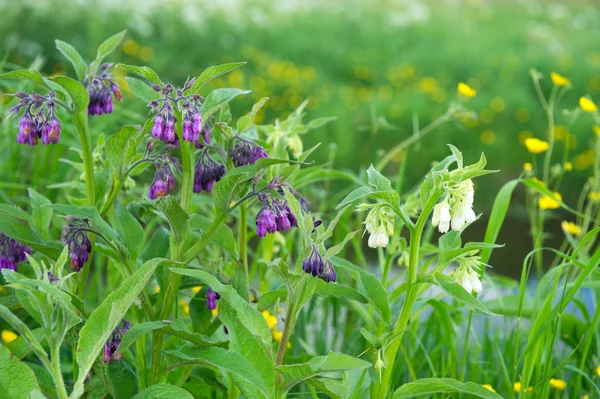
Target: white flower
{"type": "Point", "coordinates": [466, 275]}
{"type": "Point", "coordinates": [441, 216]}
{"type": "Point", "coordinates": [469, 214]}
{"type": "Point", "coordinates": [475, 282]}
{"type": "Point", "coordinates": [379, 223]}
{"type": "Point", "coordinates": [379, 238]}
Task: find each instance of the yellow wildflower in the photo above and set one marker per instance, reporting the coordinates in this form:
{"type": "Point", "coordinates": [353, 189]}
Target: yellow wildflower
{"type": "Point", "coordinates": [568, 166]}
{"type": "Point", "coordinates": [157, 289]}
{"type": "Point", "coordinates": [488, 387]}
{"type": "Point", "coordinates": [517, 387]}
{"type": "Point", "coordinates": [596, 129]}
{"type": "Point", "coordinates": [598, 370]}
{"type": "Point", "coordinates": [559, 80]}
{"type": "Point", "coordinates": [8, 336]}
{"type": "Point", "coordinates": [196, 289]}
{"type": "Point", "coordinates": [550, 203]}
{"type": "Point", "coordinates": [271, 320]}
{"type": "Point", "coordinates": [527, 166]}
{"type": "Point", "coordinates": [594, 196]}
{"type": "Point", "coordinates": [571, 228]}
{"type": "Point", "coordinates": [536, 146]}
{"type": "Point", "coordinates": [466, 90]}
{"type": "Point", "coordinates": [277, 335]}
{"type": "Point", "coordinates": [186, 310]}
{"type": "Point", "coordinates": [215, 311]}
{"type": "Point", "coordinates": [558, 384]}
{"type": "Point", "coordinates": [538, 181]}
{"type": "Point", "coordinates": [587, 105]}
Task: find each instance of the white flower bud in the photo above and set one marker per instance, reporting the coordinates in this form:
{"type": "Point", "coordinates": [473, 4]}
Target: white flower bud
{"type": "Point", "coordinates": [469, 214]}
{"type": "Point", "coordinates": [458, 219]}
{"type": "Point", "coordinates": [441, 217]}
{"type": "Point", "coordinates": [475, 282]}
{"type": "Point", "coordinates": [379, 238]}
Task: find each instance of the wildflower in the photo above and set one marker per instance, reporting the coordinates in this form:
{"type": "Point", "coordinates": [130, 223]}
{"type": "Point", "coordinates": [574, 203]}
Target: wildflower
{"type": "Point", "coordinates": [206, 173]}
{"type": "Point", "coordinates": [314, 264]}
{"type": "Point", "coordinates": [196, 289]}
{"type": "Point", "coordinates": [379, 364]}
{"type": "Point", "coordinates": [558, 384]}
{"type": "Point", "coordinates": [441, 216]}
{"type": "Point", "coordinates": [215, 312]}
{"type": "Point", "coordinates": [12, 252]}
{"type": "Point", "coordinates": [380, 225]}
{"type": "Point", "coordinates": [587, 105]}
{"type": "Point", "coordinates": [163, 183]}
{"type": "Point", "coordinates": [466, 275]}
{"type": "Point", "coordinates": [8, 336]}
{"type": "Point", "coordinates": [456, 210]}
{"type": "Point", "coordinates": [598, 370]}
{"type": "Point", "coordinates": [157, 289]}
{"type": "Point", "coordinates": [246, 152]}
{"type": "Point", "coordinates": [570, 228]}
{"type": "Point", "coordinates": [112, 345]}
{"type": "Point", "coordinates": [527, 167]}
{"type": "Point", "coordinates": [536, 146]}
{"type": "Point", "coordinates": [278, 335]}
{"type": "Point", "coordinates": [466, 90]}
{"type": "Point", "coordinates": [488, 387]}
{"type": "Point", "coordinates": [594, 195]}
{"type": "Point", "coordinates": [51, 131]}
{"type": "Point", "coordinates": [101, 89]}
{"type": "Point", "coordinates": [559, 80]}
{"type": "Point", "coordinates": [329, 274]}
{"type": "Point", "coordinates": [51, 277]}
{"type": "Point", "coordinates": [265, 222]}
{"type": "Point", "coordinates": [596, 129]}
{"type": "Point", "coordinates": [550, 203]}
{"type": "Point", "coordinates": [517, 387]}
{"type": "Point", "coordinates": [39, 119]}
{"type": "Point", "coordinates": [270, 319]}
{"type": "Point", "coordinates": [275, 215]}
{"type": "Point", "coordinates": [568, 166]}
{"type": "Point", "coordinates": [211, 299]}
{"type": "Point", "coordinates": [79, 245]}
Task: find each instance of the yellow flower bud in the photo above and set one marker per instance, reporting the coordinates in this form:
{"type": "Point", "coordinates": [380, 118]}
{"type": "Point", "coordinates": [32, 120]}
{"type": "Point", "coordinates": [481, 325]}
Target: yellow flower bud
{"type": "Point", "coordinates": [488, 387]}
{"type": "Point", "coordinates": [196, 289]}
{"type": "Point", "coordinates": [558, 384]}
{"type": "Point", "coordinates": [559, 80]}
{"type": "Point", "coordinates": [571, 228]}
{"type": "Point", "coordinates": [536, 146]}
{"type": "Point", "coordinates": [466, 90]}
{"type": "Point", "coordinates": [568, 166]}
{"type": "Point", "coordinates": [550, 203]}
{"type": "Point", "coordinates": [587, 105]}
{"type": "Point", "coordinates": [8, 336]}
{"type": "Point", "coordinates": [527, 166]}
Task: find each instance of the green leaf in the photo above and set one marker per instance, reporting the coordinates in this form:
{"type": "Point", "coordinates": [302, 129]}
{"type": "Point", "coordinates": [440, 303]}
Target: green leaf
{"type": "Point", "coordinates": [355, 195]}
{"type": "Point", "coordinates": [120, 148]}
{"type": "Point", "coordinates": [246, 121]}
{"type": "Point", "coordinates": [16, 379]}
{"type": "Point", "coordinates": [369, 285]}
{"type": "Point", "coordinates": [337, 290]}
{"type": "Point", "coordinates": [102, 322]}
{"type": "Point", "coordinates": [40, 216]}
{"type": "Point", "coordinates": [333, 362]}
{"type": "Point", "coordinates": [174, 213]}
{"type": "Point", "coordinates": [377, 180]}
{"type": "Point", "coordinates": [332, 251]}
{"type": "Point", "coordinates": [25, 74]}
{"type": "Point", "coordinates": [223, 236]}
{"type": "Point", "coordinates": [141, 90]}
{"type": "Point", "coordinates": [143, 72]}
{"type": "Point", "coordinates": [457, 292]}
{"type": "Point", "coordinates": [128, 227]}
{"type": "Point", "coordinates": [227, 189]}
{"type": "Point", "coordinates": [20, 230]}
{"type": "Point", "coordinates": [213, 72]}
{"type": "Point", "coordinates": [499, 210]}
{"type": "Point", "coordinates": [77, 93]}
{"type": "Point", "coordinates": [138, 330]}
{"type": "Point", "coordinates": [164, 391]}
{"type": "Point", "coordinates": [429, 386]}
{"type": "Point", "coordinates": [217, 98]}
{"type": "Point", "coordinates": [227, 360]}
{"type": "Point", "coordinates": [74, 57]}
{"type": "Point", "coordinates": [108, 46]}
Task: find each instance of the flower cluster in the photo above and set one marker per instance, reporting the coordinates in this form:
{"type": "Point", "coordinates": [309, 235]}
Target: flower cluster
{"type": "Point", "coordinates": [163, 183]}
{"type": "Point", "coordinates": [211, 299]}
{"type": "Point", "coordinates": [101, 89]}
{"type": "Point", "coordinates": [79, 245]}
{"type": "Point", "coordinates": [466, 274]}
{"type": "Point", "coordinates": [112, 345]}
{"type": "Point", "coordinates": [315, 264]}
{"type": "Point", "coordinates": [379, 223]}
{"type": "Point", "coordinates": [39, 119]}
{"type": "Point", "coordinates": [456, 209]}
{"type": "Point", "coordinates": [246, 152]}
{"type": "Point", "coordinates": [275, 215]}
{"type": "Point", "coordinates": [12, 252]}
{"type": "Point", "coordinates": [206, 173]}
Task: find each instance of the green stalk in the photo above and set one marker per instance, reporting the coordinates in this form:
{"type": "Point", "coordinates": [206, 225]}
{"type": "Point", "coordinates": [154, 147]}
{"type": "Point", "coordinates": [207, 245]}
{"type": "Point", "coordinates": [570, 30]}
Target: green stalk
{"type": "Point", "coordinates": [411, 296]}
{"type": "Point", "coordinates": [243, 245]}
{"type": "Point", "coordinates": [57, 374]}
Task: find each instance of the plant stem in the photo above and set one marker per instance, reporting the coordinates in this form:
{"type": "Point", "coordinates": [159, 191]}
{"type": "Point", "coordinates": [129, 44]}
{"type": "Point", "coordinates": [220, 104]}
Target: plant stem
{"type": "Point", "coordinates": [57, 374]}
{"type": "Point", "coordinates": [243, 245]}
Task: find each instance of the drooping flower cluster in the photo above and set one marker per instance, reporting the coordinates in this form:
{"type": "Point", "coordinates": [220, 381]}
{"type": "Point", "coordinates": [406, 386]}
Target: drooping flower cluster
{"type": "Point", "coordinates": [456, 209]}
{"type": "Point", "coordinates": [315, 264]}
{"type": "Point", "coordinates": [206, 173]}
{"type": "Point", "coordinates": [163, 183]}
{"type": "Point", "coordinates": [112, 345]}
{"type": "Point", "coordinates": [246, 152]}
{"type": "Point", "coordinates": [379, 223]}
{"type": "Point", "coordinates": [275, 215]}
{"type": "Point", "coordinates": [466, 273]}
{"type": "Point", "coordinates": [101, 89]}
{"type": "Point", "coordinates": [12, 252]}
{"type": "Point", "coordinates": [79, 244]}
{"type": "Point", "coordinates": [39, 119]}
{"type": "Point", "coordinates": [211, 299]}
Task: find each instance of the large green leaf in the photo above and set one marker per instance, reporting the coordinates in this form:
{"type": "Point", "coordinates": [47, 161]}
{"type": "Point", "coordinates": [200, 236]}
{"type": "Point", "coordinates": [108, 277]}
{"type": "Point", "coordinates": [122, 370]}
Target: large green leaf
{"type": "Point", "coordinates": [163, 391]}
{"type": "Point", "coordinates": [143, 72]}
{"type": "Point", "coordinates": [213, 72]}
{"type": "Point", "coordinates": [174, 213]}
{"type": "Point", "coordinates": [457, 292]}
{"type": "Point", "coordinates": [217, 98]}
{"type": "Point", "coordinates": [129, 228]}
{"type": "Point", "coordinates": [108, 46]}
{"type": "Point", "coordinates": [245, 122]}
{"type": "Point", "coordinates": [16, 379]}
{"type": "Point", "coordinates": [77, 93]}
{"type": "Point", "coordinates": [120, 149]}
{"type": "Point", "coordinates": [20, 229]}
{"type": "Point", "coordinates": [26, 74]}
{"type": "Point", "coordinates": [227, 189]}
{"type": "Point", "coordinates": [429, 386]}
{"type": "Point", "coordinates": [377, 180]}
{"type": "Point", "coordinates": [74, 57]}
{"type": "Point", "coordinates": [105, 319]}
{"type": "Point", "coordinates": [40, 216]}
{"type": "Point", "coordinates": [141, 90]}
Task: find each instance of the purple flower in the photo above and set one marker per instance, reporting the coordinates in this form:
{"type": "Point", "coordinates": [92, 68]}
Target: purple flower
{"type": "Point", "coordinates": [159, 127]}
{"type": "Point", "coordinates": [187, 133]}
{"type": "Point", "coordinates": [328, 275]}
{"type": "Point", "coordinates": [206, 173]}
{"type": "Point", "coordinates": [169, 132]}
{"type": "Point", "coordinates": [246, 152]}
{"type": "Point", "coordinates": [79, 245]}
{"type": "Point", "coordinates": [101, 90]}
{"type": "Point", "coordinates": [163, 183]}
{"type": "Point", "coordinates": [112, 345]}
{"type": "Point", "coordinates": [51, 131]}
{"type": "Point", "coordinates": [12, 252]}
{"type": "Point", "coordinates": [51, 277]}
{"type": "Point", "coordinates": [197, 126]}
{"type": "Point", "coordinates": [211, 299]}
{"type": "Point", "coordinates": [24, 130]}
{"type": "Point", "coordinates": [266, 221]}
{"type": "Point", "coordinates": [314, 264]}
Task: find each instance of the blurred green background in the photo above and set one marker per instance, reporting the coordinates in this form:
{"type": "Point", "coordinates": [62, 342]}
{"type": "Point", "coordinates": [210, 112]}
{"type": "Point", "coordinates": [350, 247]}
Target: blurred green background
{"type": "Point", "coordinates": [373, 64]}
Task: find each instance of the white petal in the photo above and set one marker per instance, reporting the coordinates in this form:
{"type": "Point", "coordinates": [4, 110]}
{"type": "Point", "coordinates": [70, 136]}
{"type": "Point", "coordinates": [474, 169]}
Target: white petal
{"type": "Point", "coordinates": [476, 283]}
{"type": "Point", "coordinates": [470, 216]}
{"type": "Point", "coordinates": [444, 227]}
{"type": "Point", "coordinates": [458, 221]}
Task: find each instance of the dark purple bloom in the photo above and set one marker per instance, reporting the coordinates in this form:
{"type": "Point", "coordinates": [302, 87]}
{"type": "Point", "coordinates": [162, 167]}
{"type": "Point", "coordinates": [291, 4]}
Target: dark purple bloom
{"type": "Point", "coordinates": [314, 264]}
{"type": "Point", "coordinates": [206, 173]}
{"type": "Point", "coordinates": [328, 275]}
{"type": "Point", "coordinates": [79, 244]}
{"type": "Point", "coordinates": [266, 221]}
{"type": "Point", "coordinates": [12, 252]}
{"type": "Point", "coordinates": [159, 127]}
{"type": "Point", "coordinates": [51, 131]}
{"type": "Point", "coordinates": [24, 130]}
{"type": "Point", "coordinates": [101, 89]}
{"type": "Point", "coordinates": [197, 124]}
{"type": "Point", "coordinates": [247, 152]}
{"type": "Point", "coordinates": [112, 345]}
{"type": "Point", "coordinates": [163, 183]}
{"type": "Point", "coordinates": [169, 132]}
{"type": "Point", "coordinates": [187, 133]}
{"type": "Point", "coordinates": [51, 277]}
{"type": "Point", "coordinates": [211, 299]}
